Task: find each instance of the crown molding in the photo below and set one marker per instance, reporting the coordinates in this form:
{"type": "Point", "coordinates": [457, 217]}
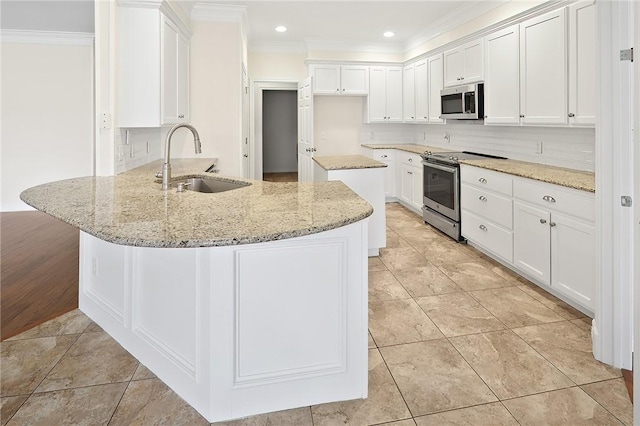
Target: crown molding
{"type": "Point", "coordinates": [171, 10]}
{"type": "Point", "coordinates": [47, 37]}
{"type": "Point", "coordinates": [212, 12]}
{"type": "Point", "coordinates": [278, 46]}
{"type": "Point", "coordinates": [350, 46]}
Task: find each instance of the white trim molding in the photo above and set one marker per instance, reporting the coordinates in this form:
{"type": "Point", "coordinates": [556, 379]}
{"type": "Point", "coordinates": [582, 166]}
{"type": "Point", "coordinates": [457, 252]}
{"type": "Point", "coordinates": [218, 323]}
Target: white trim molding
{"type": "Point", "coordinates": [278, 46]}
{"type": "Point", "coordinates": [47, 37]}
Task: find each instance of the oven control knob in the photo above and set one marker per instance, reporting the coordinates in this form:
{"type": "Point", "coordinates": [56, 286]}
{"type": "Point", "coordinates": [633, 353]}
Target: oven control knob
{"type": "Point", "coordinates": [453, 159]}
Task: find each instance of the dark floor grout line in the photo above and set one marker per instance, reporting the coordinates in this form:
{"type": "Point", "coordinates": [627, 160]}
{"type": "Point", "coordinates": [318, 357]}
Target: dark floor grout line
{"type": "Point", "coordinates": [115, 409]}
{"type": "Point", "coordinates": [396, 384]}
{"type": "Point", "coordinates": [18, 409]}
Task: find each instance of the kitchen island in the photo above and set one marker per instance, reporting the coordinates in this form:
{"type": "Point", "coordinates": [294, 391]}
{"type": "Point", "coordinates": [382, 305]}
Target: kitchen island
{"type": "Point", "coordinates": [244, 302]}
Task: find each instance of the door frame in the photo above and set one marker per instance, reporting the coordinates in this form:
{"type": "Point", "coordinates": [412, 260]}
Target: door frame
{"type": "Point", "coordinates": [255, 141]}
{"type": "Point", "coordinates": [636, 222]}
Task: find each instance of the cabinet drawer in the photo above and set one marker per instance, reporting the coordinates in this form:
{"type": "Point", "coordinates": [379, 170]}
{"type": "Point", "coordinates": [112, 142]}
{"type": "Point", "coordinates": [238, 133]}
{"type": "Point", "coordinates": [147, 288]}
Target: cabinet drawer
{"type": "Point", "coordinates": [486, 204]}
{"type": "Point", "coordinates": [488, 179]}
{"type": "Point", "coordinates": [566, 200]}
{"type": "Point", "coordinates": [410, 159]}
{"type": "Point", "coordinates": [488, 235]}
{"type": "Point", "coordinates": [383, 154]}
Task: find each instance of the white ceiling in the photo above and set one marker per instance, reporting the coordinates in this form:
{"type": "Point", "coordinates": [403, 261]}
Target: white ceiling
{"type": "Point", "coordinates": [312, 24]}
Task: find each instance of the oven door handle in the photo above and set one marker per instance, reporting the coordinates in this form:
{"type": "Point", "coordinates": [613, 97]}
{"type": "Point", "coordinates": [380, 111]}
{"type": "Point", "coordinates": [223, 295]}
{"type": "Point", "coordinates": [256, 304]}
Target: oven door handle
{"type": "Point", "coordinates": [440, 166]}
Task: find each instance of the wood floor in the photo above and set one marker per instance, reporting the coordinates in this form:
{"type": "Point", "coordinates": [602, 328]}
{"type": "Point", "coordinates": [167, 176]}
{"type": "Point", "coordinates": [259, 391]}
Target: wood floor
{"type": "Point", "coordinates": [281, 177]}
{"type": "Point", "coordinates": [39, 269]}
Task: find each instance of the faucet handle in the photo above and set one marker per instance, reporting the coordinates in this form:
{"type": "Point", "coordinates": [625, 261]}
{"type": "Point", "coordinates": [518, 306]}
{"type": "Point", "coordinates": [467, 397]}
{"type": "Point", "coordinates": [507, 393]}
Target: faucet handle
{"type": "Point", "coordinates": [182, 186]}
{"type": "Point", "coordinates": [159, 175]}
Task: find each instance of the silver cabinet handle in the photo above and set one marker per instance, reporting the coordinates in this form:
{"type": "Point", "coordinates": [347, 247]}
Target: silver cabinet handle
{"type": "Point", "coordinates": [411, 160]}
{"type": "Point", "coordinates": [521, 115]}
{"type": "Point", "coordinates": [482, 227]}
{"type": "Point", "coordinates": [344, 89]}
{"type": "Point", "coordinates": [482, 180]}
{"type": "Point", "coordinates": [543, 221]}
{"type": "Point", "coordinates": [410, 173]}
{"type": "Point", "coordinates": [383, 156]}
{"type": "Point", "coordinates": [483, 198]}
{"type": "Point", "coordinates": [552, 224]}
{"type": "Point", "coordinates": [245, 155]}
{"type": "Point", "coordinates": [549, 198]}
{"type": "Point", "coordinates": [571, 114]}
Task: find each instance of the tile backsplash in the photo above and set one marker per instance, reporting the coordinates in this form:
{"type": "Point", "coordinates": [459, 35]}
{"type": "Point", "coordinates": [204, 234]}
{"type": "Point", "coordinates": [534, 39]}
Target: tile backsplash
{"type": "Point", "coordinates": [557, 146]}
{"type": "Point", "coordinates": [136, 147]}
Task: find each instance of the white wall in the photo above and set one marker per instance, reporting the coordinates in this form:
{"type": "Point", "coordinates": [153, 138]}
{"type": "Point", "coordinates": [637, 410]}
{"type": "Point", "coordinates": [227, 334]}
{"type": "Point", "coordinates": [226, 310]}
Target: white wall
{"type": "Point", "coordinates": [47, 116]}
{"type": "Point", "coordinates": [279, 131]}
{"type": "Point", "coordinates": [277, 66]}
{"type": "Point", "coordinates": [337, 124]}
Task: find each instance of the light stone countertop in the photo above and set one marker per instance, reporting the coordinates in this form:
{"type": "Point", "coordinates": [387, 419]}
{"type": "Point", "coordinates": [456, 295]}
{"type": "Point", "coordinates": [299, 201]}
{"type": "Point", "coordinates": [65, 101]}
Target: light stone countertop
{"type": "Point", "coordinates": [344, 162]}
{"type": "Point", "coordinates": [414, 148]}
{"type": "Point", "coordinates": [131, 208]}
{"type": "Point", "coordinates": [577, 179]}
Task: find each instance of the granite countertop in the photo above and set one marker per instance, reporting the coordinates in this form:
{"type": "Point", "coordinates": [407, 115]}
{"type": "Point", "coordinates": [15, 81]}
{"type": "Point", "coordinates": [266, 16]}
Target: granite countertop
{"type": "Point", "coordinates": [131, 208]}
{"type": "Point", "coordinates": [577, 179]}
{"type": "Point", "coordinates": [344, 162]}
{"type": "Point", "coordinates": [414, 148]}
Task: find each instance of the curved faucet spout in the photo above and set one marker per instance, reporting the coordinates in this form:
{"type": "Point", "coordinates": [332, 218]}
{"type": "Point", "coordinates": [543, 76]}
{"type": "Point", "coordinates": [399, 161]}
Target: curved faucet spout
{"type": "Point", "coordinates": [166, 167]}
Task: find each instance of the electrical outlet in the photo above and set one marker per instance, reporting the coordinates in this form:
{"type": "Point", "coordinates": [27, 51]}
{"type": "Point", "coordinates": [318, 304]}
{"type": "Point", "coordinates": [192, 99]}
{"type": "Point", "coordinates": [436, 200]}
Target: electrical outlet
{"type": "Point", "coordinates": [373, 135]}
{"type": "Point", "coordinates": [424, 136]}
{"type": "Point", "coordinates": [132, 151]}
{"type": "Point", "coordinates": [148, 147]}
{"type": "Point", "coordinates": [539, 147]}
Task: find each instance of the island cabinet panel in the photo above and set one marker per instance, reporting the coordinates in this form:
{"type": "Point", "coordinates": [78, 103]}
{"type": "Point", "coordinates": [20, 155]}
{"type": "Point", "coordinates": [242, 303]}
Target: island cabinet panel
{"type": "Point", "coordinates": [239, 330]}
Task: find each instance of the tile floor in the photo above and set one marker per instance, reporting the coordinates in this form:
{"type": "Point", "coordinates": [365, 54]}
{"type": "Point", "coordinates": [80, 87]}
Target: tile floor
{"type": "Point", "coordinates": [454, 339]}
{"type": "Point", "coordinates": [281, 177]}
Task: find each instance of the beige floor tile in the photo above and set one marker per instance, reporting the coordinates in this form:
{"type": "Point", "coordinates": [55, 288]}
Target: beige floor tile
{"type": "Point", "coordinates": [426, 280]}
{"type": "Point", "coordinates": [612, 395]}
{"type": "Point", "coordinates": [79, 365]}
{"type": "Point", "coordinates": [143, 373]}
{"type": "Point", "coordinates": [473, 276]}
{"type": "Point", "coordinates": [444, 253]}
{"type": "Point", "coordinates": [497, 268]}
{"type": "Point", "coordinates": [394, 322]}
{"type": "Point", "coordinates": [394, 240]}
{"type": "Point", "coordinates": [151, 402]}
{"type": "Point", "coordinates": [433, 377]}
{"type": "Point", "coordinates": [294, 417]}
{"type": "Point", "coordinates": [384, 286]}
{"type": "Point", "coordinates": [375, 264]}
{"type": "Point", "coordinates": [384, 403]}
{"type": "Point", "coordinates": [417, 233]}
{"type": "Point", "coordinates": [402, 258]}
{"type": "Point", "coordinates": [514, 307]}
{"type": "Point", "coordinates": [508, 365]}
{"type": "Point", "coordinates": [457, 314]}
{"type": "Point", "coordinates": [568, 348]}
{"type": "Point", "coordinates": [74, 322]}
{"type": "Point", "coordinates": [583, 323]}
{"type": "Point", "coordinates": [372, 343]}
{"type": "Point", "coordinates": [9, 405]}
{"type": "Point", "coordinates": [94, 328]}
{"type": "Point", "coordinates": [493, 414]}
{"type": "Point", "coordinates": [561, 308]}
{"type": "Point", "coordinates": [563, 407]}
{"type": "Point", "coordinates": [93, 405]}
{"type": "Point", "coordinates": [26, 362]}
{"type": "Point", "coordinates": [407, 422]}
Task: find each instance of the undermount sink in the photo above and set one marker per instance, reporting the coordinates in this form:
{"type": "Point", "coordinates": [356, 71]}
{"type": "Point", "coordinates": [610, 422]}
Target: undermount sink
{"type": "Point", "coordinates": [207, 185]}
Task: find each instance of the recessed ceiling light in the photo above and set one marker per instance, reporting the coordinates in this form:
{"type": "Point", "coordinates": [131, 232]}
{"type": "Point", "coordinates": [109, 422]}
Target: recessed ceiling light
{"type": "Point", "coordinates": [389, 34]}
{"type": "Point", "coordinates": [281, 28]}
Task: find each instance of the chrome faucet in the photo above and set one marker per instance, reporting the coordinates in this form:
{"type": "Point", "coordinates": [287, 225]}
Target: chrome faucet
{"type": "Point", "coordinates": [166, 167]}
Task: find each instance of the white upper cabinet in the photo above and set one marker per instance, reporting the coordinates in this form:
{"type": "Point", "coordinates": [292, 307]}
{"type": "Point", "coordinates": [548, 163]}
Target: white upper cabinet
{"type": "Point", "coordinates": [385, 95]}
{"type": "Point", "coordinates": [543, 69]}
{"type": "Point", "coordinates": [582, 63]}
{"type": "Point", "coordinates": [421, 91]}
{"type": "Point", "coordinates": [436, 81]}
{"type": "Point", "coordinates": [464, 64]}
{"type": "Point", "coordinates": [331, 79]}
{"type": "Point", "coordinates": [409, 94]}
{"type": "Point", "coordinates": [153, 69]}
{"type": "Point", "coordinates": [502, 84]}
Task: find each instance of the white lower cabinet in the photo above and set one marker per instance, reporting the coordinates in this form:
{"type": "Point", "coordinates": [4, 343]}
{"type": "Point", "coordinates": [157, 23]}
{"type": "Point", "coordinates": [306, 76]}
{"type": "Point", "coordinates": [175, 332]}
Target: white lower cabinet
{"type": "Point", "coordinates": [409, 182]}
{"type": "Point", "coordinates": [387, 156]}
{"type": "Point", "coordinates": [544, 231]}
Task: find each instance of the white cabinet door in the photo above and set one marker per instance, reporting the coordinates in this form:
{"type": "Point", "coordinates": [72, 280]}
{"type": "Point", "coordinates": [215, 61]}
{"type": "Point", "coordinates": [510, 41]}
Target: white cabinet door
{"type": "Point", "coordinates": [183, 78]}
{"type": "Point", "coordinates": [377, 100]}
{"type": "Point", "coordinates": [531, 241]}
{"type": "Point", "coordinates": [416, 190]}
{"type": "Point", "coordinates": [453, 67]}
{"type": "Point", "coordinates": [473, 61]}
{"type": "Point", "coordinates": [582, 63]}
{"type": "Point", "coordinates": [543, 69]}
{"type": "Point", "coordinates": [354, 80]}
{"type": "Point", "coordinates": [406, 183]}
{"type": "Point", "coordinates": [502, 88]}
{"type": "Point", "coordinates": [409, 93]}
{"type": "Point", "coordinates": [573, 259]}
{"type": "Point", "coordinates": [421, 91]}
{"type": "Point", "coordinates": [305, 130]}
{"type": "Point", "coordinates": [326, 79]}
{"type": "Point", "coordinates": [169, 72]}
{"type": "Point", "coordinates": [436, 82]}
{"type": "Point", "coordinates": [394, 94]}
{"type": "Point", "coordinates": [387, 156]}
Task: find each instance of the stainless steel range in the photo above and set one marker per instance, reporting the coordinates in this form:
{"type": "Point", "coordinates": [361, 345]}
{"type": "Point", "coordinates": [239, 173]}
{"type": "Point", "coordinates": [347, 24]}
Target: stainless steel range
{"type": "Point", "coordinates": [441, 189]}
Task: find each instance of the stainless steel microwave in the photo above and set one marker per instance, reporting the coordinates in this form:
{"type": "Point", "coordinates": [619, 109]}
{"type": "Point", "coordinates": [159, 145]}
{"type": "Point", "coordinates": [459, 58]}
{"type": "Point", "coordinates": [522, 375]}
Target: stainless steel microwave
{"type": "Point", "coordinates": [463, 102]}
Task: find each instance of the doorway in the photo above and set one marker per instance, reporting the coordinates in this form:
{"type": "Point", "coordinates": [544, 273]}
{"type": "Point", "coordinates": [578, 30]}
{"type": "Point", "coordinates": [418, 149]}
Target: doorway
{"type": "Point", "coordinates": [279, 135]}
